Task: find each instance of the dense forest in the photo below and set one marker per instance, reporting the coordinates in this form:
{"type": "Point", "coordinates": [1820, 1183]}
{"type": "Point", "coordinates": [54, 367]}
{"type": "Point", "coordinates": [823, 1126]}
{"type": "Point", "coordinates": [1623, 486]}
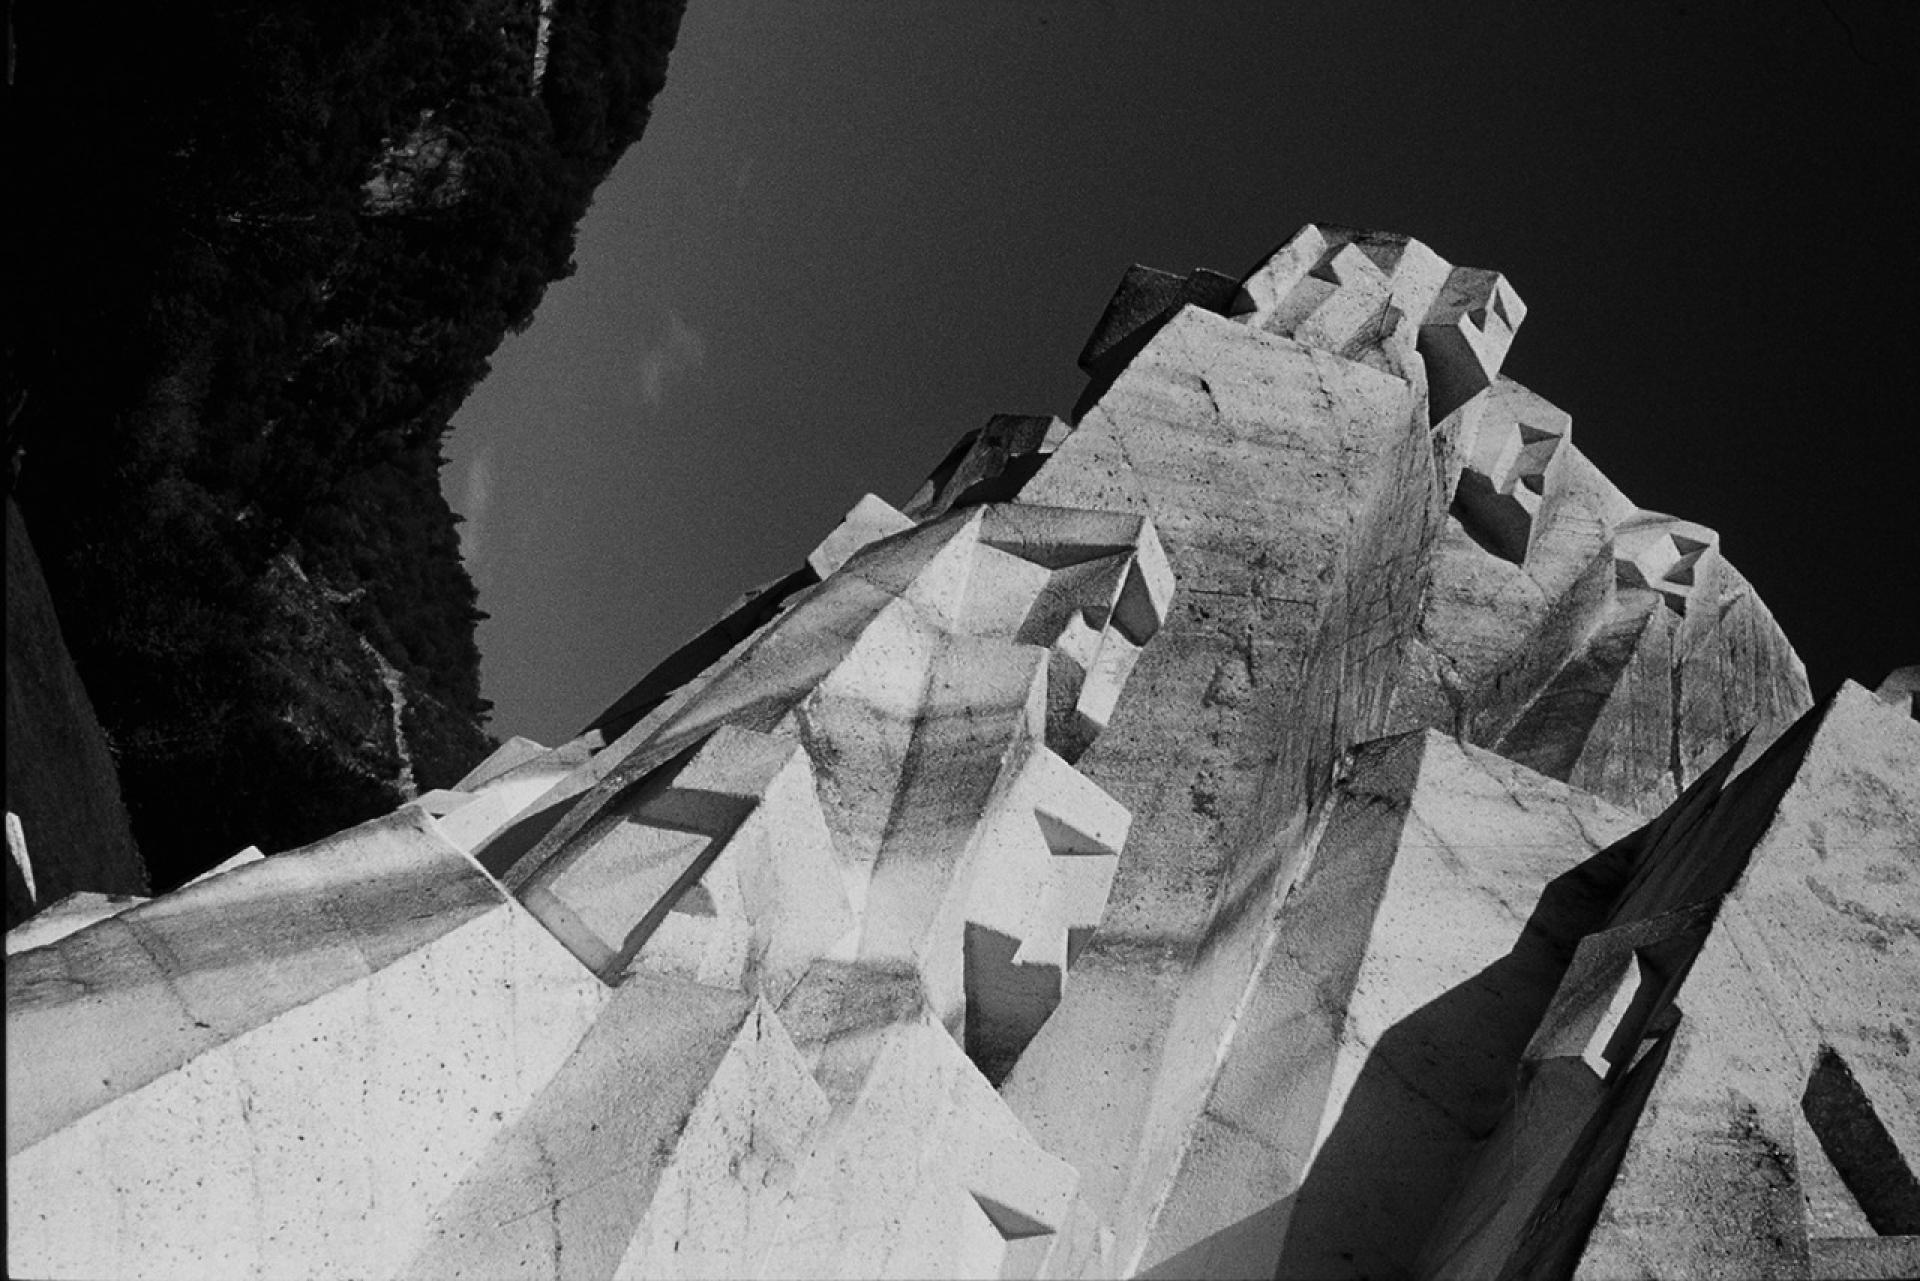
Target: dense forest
{"type": "Point", "coordinates": [262, 250]}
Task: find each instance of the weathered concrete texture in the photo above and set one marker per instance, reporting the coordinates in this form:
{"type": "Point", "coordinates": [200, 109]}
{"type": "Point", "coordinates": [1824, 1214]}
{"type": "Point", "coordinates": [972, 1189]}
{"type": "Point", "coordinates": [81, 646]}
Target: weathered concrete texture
{"type": "Point", "coordinates": [1448, 879]}
{"type": "Point", "coordinates": [1770, 1096]}
{"type": "Point", "coordinates": [859, 816]}
{"type": "Point", "coordinates": [1297, 494]}
{"type": "Point", "coordinates": [870, 520]}
{"type": "Point", "coordinates": [1809, 976]}
{"type": "Point", "coordinates": [926, 1174]}
{"type": "Point", "coordinates": [289, 1064]}
{"type": "Point", "coordinates": [1609, 647]}
{"type": "Point", "coordinates": [69, 916]}
{"type": "Point", "coordinates": [1145, 300]}
{"type": "Point", "coordinates": [662, 1148]}
{"type": "Point", "coordinates": [1377, 1038]}
{"type": "Point", "coordinates": [1649, 678]}
{"type": "Point", "coordinates": [1902, 689]}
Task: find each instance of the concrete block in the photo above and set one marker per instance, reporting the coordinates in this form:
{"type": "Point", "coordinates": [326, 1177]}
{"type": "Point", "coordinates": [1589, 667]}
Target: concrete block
{"type": "Point", "coordinates": [988, 465]}
{"type": "Point", "coordinates": [511, 754]}
{"type": "Point", "coordinates": [1465, 336]}
{"type": "Point", "coordinates": [1902, 689]}
{"type": "Point", "coordinates": [1236, 443]}
{"type": "Point", "coordinates": [1048, 854]}
{"type": "Point", "coordinates": [1672, 557]}
{"type": "Point", "coordinates": [1764, 1095]}
{"type": "Point", "coordinates": [70, 915]}
{"type": "Point", "coordinates": [1390, 302]}
{"type": "Point", "coordinates": [1515, 472]}
{"type": "Point", "coordinates": [1144, 300]}
{"type": "Point", "coordinates": [721, 870]}
{"type": "Point", "coordinates": [870, 520]}
{"type": "Point", "coordinates": [983, 705]}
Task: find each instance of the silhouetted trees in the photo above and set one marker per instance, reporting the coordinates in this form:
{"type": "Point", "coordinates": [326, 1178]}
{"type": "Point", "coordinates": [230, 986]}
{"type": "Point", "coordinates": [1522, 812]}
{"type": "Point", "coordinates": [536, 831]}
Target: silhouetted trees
{"type": "Point", "coordinates": [263, 250]}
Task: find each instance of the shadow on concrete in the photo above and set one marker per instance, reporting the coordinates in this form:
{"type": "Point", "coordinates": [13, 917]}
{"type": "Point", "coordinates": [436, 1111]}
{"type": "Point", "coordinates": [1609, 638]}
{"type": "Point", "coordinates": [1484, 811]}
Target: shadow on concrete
{"type": "Point", "coordinates": [1249, 1238]}
{"type": "Point", "coordinates": [1435, 1086]}
{"type": "Point", "coordinates": [1554, 729]}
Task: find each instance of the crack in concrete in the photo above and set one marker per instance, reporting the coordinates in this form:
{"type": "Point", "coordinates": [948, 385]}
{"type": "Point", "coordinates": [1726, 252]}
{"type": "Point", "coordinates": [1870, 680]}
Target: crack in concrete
{"type": "Point", "coordinates": [1674, 695]}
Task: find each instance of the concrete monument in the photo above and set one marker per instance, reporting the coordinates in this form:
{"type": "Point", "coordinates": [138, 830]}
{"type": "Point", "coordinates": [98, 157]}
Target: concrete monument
{"type": "Point", "coordinates": [1294, 817]}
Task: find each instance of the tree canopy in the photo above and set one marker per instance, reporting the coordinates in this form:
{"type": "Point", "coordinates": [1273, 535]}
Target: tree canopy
{"type": "Point", "coordinates": [263, 251]}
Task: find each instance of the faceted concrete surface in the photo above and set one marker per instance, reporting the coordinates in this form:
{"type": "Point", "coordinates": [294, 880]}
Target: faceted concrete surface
{"type": "Point", "coordinates": [1293, 817]}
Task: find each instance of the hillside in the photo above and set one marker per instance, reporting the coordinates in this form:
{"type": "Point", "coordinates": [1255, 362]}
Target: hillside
{"type": "Point", "coordinates": [262, 253]}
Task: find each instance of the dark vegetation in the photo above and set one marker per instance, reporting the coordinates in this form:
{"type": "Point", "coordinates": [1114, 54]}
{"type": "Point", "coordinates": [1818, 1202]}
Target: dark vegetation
{"type": "Point", "coordinates": [261, 251]}
{"type": "Point", "coordinates": [61, 783]}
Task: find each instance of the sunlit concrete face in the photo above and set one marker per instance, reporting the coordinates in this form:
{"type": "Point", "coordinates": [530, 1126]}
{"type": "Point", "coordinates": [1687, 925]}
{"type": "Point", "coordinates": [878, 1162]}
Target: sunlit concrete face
{"type": "Point", "coordinates": [1291, 816]}
{"type": "Point", "coordinates": [857, 824]}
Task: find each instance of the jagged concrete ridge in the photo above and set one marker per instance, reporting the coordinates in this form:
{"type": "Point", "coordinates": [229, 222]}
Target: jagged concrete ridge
{"type": "Point", "coordinates": [1293, 817]}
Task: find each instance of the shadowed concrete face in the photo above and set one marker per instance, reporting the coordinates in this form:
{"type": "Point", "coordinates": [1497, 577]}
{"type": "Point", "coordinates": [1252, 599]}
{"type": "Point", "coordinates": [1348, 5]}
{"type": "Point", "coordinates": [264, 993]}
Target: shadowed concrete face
{"type": "Point", "coordinates": [1902, 689]}
{"type": "Point", "coordinates": [1515, 473]}
{"type": "Point", "coordinates": [1753, 1073]}
{"type": "Point", "coordinates": [1465, 336]}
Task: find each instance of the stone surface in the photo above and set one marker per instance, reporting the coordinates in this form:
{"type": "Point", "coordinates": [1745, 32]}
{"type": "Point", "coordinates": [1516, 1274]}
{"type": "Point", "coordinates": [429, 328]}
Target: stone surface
{"type": "Point", "coordinates": [870, 520]}
{"type": "Point", "coordinates": [1379, 1030]}
{"type": "Point", "coordinates": [1295, 817]}
{"type": "Point", "coordinates": [1758, 1074]}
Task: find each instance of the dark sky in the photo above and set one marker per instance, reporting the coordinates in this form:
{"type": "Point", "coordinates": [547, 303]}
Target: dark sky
{"type": "Point", "coordinates": [855, 230]}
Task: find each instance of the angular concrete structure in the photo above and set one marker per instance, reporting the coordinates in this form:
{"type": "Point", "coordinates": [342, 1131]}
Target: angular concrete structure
{"type": "Point", "coordinates": [1292, 817]}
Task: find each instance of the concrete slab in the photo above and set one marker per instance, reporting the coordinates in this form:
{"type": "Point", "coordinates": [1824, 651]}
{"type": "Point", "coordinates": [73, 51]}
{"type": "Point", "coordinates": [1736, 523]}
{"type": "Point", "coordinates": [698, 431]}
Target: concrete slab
{"type": "Point", "coordinates": [870, 520]}
{"type": "Point", "coordinates": [1902, 689]}
{"type": "Point", "coordinates": [1377, 1037]}
{"type": "Point", "coordinates": [1770, 1100]}
{"type": "Point", "coordinates": [511, 753]}
{"type": "Point", "coordinates": [294, 1062]}
{"type": "Point", "coordinates": [70, 915]}
{"type": "Point", "coordinates": [661, 1148]}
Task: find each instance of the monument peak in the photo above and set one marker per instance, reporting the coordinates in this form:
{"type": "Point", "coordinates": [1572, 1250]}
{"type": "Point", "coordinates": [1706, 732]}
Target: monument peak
{"type": "Point", "coordinates": [1293, 817]}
